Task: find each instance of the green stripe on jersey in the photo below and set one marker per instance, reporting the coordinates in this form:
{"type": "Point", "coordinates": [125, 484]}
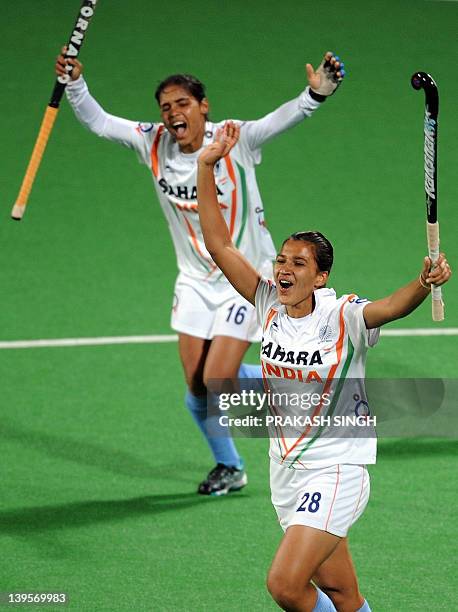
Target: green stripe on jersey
{"type": "Point", "coordinates": [332, 407]}
{"type": "Point", "coordinates": [244, 204]}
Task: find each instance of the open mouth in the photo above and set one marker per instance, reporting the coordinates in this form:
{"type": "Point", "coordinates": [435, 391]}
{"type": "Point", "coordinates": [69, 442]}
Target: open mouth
{"type": "Point", "coordinates": [179, 127]}
{"type": "Point", "coordinates": [285, 284]}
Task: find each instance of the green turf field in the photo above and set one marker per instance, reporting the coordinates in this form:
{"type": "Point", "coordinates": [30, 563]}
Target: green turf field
{"type": "Point", "coordinates": [100, 459]}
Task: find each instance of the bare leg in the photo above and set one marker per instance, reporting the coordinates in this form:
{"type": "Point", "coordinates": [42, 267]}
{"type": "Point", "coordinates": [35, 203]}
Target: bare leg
{"type": "Point", "coordinates": [301, 552]}
{"type": "Point", "coordinates": [193, 353]}
{"type": "Point", "coordinates": [336, 576]}
{"type": "Point", "coordinates": [224, 358]}
{"type": "Point", "coordinates": [204, 360]}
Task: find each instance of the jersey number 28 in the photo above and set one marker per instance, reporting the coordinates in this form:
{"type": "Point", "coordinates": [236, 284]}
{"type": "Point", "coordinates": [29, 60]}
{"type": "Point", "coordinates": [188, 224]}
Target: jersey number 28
{"type": "Point", "coordinates": [313, 505]}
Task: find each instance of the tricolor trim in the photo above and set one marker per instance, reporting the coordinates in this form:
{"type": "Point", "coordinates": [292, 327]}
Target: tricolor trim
{"type": "Point", "coordinates": [244, 205]}
{"type": "Point", "coordinates": [329, 379]}
{"type": "Point", "coordinates": [154, 155]}
{"type": "Point", "coordinates": [230, 169]}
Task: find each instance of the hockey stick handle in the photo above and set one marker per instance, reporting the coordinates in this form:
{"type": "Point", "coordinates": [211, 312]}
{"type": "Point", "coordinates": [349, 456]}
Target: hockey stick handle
{"type": "Point", "coordinates": [73, 48]}
{"type": "Point", "coordinates": [432, 232]}
{"type": "Point", "coordinates": [34, 163]}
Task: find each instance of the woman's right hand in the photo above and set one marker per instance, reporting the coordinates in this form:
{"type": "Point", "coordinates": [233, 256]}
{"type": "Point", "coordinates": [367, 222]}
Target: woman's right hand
{"type": "Point", "coordinates": [62, 62]}
{"type": "Point", "coordinates": [225, 140]}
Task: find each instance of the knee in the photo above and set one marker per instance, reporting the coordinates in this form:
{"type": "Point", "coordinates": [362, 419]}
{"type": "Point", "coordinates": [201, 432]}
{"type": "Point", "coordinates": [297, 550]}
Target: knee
{"type": "Point", "coordinates": [284, 592]}
{"type": "Point", "coordinates": [286, 598]}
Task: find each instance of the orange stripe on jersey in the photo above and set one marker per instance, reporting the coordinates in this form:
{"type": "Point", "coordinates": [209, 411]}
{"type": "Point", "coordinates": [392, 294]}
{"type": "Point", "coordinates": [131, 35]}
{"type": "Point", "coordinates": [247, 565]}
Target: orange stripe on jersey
{"type": "Point", "coordinates": [333, 499]}
{"type": "Point", "coordinates": [154, 157]}
{"type": "Point", "coordinates": [329, 379]}
{"type": "Point", "coordinates": [272, 409]}
{"type": "Point", "coordinates": [214, 268]}
{"type": "Point", "coordinates": [270, 315]}
{"type": "Point", "coordinates": [267, 390]}
{"type": "Point", "coordinates": [230, 169]}
{"type": "Point", "coordinates": [196, 243]}
{"type": "Point", "coordinates": [193, 207]}
{"type": "Point", "coordinates": [188, 207]}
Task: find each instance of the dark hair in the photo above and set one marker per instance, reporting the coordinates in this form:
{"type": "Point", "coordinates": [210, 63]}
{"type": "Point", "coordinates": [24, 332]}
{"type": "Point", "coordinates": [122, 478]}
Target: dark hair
{"type": "Point", "coordinates": [323, 251]}
{"type": "Point", "coordinates": [195, 87]}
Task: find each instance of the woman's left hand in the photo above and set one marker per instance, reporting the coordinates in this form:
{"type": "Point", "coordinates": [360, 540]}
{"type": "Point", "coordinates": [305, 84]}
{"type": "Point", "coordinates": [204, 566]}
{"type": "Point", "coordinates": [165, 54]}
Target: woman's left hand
{"type": "Point", "coordinates": [437, 273]}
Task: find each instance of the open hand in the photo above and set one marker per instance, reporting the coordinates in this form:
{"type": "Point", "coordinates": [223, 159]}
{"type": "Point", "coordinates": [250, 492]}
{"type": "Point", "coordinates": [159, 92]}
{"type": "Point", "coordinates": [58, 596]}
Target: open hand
{"type": "Point", "coordinates": [328, 76]}
{"type": "Point", "coordinates": [225, 140]}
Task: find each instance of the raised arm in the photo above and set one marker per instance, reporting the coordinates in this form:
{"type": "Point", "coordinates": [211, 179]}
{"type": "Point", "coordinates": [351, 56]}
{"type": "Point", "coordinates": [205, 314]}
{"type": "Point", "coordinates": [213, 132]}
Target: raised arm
{"type": "Point", "coordinates": [89, 112]}
{"type": "Point", "coordinates": [322, 83]}
{"type": "Point", "coordinates": [403, 301]}
{"type": "Point", "coordinates": [237, 269]}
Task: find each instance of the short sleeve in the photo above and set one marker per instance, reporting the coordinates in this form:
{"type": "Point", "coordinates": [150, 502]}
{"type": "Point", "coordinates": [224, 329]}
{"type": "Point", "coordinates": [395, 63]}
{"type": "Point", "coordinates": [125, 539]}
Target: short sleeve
{"type": "Point", "coordinates": [354, 318]}
{"type": "Point", "coordinates": [265, 298]}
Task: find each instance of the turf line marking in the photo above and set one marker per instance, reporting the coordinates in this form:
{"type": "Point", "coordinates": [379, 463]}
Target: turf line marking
{"type": "Point", "coordinates": [421, 331]}
{"type": "Point", "coordinates": [163, 338]}
{"type": "Point", "coordinates": [104, 340]}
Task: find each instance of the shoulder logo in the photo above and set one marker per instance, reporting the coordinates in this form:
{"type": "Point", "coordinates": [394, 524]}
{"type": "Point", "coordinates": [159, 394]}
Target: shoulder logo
{"type": "Point", "coordinates": [145, 127]}
{"type": "Point", "coordinates": [325, 333]}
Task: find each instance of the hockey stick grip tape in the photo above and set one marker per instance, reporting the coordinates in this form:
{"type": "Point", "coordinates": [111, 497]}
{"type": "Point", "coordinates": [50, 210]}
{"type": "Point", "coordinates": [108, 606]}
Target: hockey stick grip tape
{"type": "Point", "coordinates": [432, 231]}
{"type": "Point", "coordinates": [34, 163]}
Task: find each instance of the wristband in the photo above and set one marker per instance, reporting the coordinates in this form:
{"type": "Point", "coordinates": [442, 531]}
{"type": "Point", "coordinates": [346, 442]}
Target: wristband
{"type": "Point", "coordinates": [423, 284]}
{"type": "Point", "coordinates": [316, 96]}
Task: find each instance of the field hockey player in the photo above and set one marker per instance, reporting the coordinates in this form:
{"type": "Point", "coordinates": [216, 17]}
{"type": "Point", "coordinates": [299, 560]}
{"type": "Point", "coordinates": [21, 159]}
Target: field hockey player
{"type": "Point", "coordinates": [215, 324]}
{"type": "Point", "coordinates": [320, 486]}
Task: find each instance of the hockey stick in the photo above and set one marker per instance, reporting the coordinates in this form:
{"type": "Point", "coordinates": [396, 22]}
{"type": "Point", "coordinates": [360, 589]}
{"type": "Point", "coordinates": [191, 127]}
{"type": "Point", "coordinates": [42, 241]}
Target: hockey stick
{"type": "Point", "coordinates": [422, 80]}
{"type": "Point", "coordinates": [73, 48]}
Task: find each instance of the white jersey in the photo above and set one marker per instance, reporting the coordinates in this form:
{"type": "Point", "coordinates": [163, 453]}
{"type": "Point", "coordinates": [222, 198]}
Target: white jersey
{"type": "Point", "coordinates": [175, 173]}
{"type": "Point", "coordinates": [320, 359]}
